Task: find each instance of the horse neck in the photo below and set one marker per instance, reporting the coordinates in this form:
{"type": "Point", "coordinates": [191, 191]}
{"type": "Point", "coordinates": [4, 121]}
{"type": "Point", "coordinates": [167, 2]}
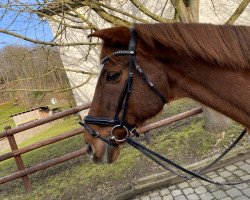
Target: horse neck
{"type": "Point", "coordinates": [212, 86]}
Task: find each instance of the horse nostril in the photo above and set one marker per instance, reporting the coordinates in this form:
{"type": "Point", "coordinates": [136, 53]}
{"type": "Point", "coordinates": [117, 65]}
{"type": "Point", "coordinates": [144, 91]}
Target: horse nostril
{"type": "Point", "coordinates": [89, 149]}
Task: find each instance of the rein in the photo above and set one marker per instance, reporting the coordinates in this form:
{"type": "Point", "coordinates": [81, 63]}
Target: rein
{"type": "Point", "coordinates": [160, 160]}
{"type": "Point", "coordinates": [122, 107]}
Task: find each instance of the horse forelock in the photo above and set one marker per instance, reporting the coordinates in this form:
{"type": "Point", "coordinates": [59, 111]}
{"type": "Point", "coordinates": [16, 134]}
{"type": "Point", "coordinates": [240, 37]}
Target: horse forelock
{"type": "Point", "coordinates": [222, 45]}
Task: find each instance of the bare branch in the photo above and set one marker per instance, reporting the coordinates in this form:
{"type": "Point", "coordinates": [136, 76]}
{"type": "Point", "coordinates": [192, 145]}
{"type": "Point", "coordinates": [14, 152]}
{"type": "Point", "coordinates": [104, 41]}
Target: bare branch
{"type": "Point", "coordinates": [44, 90]}
{"type": "Point", "coordinates": [238, 12]}
{"type": "Point", "coordinates": [106, 16]}
{"type": "Point", "coordinates": [83, 18]}
{"type": "Point", "coordinates": [121, 12]}
{"type": "Point", "coordinates": [147, 12]}
{"type": "Point", "coordinates": [78, 71]}
{"type": "Point", "coordinates": [183, 11]}
{"type": "Point", "coordinates": [46, 43]}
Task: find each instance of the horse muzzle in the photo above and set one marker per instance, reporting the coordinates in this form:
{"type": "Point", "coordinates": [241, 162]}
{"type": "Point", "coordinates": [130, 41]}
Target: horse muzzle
{"type": "Point", "coordinates": [102, 153]}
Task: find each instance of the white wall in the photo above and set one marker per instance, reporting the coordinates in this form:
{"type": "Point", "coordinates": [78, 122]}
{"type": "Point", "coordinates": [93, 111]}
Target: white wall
{"type": "Point", "coordinates": [83, 58]}
{"type": "Point", "coordinates": [219, 11]}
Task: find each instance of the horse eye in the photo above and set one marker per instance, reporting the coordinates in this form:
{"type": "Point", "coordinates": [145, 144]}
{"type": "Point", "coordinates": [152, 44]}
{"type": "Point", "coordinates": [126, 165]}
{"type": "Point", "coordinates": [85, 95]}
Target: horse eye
{"type": "Point", "coordinates": [111, 76]}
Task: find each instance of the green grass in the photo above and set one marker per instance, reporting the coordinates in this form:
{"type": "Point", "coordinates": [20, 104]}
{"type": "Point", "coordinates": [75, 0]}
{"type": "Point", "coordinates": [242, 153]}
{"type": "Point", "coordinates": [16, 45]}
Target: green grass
{"type": "Point", "coordinates": [47, 152]}
{"type": "Point", "coordinates": [185, 141]}
{"type": "Point", "coordinates": [5, 111]}
{"type": "Point", "coordinates": [68, 175]}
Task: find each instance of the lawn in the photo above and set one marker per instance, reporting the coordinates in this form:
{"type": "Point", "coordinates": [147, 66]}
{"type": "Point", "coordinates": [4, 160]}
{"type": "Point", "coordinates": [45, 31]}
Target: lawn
{"type": "Point", "coordinates": [6, 110]}
{"type": "Point", "coordinates": [185, 141]}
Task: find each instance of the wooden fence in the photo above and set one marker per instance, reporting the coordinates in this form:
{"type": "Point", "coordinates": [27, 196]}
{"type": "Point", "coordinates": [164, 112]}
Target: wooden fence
{"type": "Point", "coordinates": [16, 153]}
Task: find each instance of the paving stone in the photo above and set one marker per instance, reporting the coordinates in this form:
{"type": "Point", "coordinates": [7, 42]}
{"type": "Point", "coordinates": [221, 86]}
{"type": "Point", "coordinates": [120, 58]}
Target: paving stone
{"type": "Point", "coordinates": [205, 183]}
{"type": "Point", "coordinates": [239, 172]}
{"type": "Point", "coordinates": [219, 179]}
{"type": "Point", "coordinates": [225, 187]}
{"type": "Point", "coordinates": [156, 198]}
{"type": "Point", "coordinates": [200, 190]}
{"type": "Point", "coordinates": [145, 198]}
{"type": "Point", "coordinates": [206, 196]}
{"type": "Point", "coordinates": [168, 197]}
{"type": "Point", "coordinates": [246, 192]}
{"type": "Point", "coordinates": [231, 168]}
{"type": "Point", "coordinates": [219, 194]}
{"type": "Point", "coordinates": [246, 177]}
{"type": "Point", "coordinates": [164, 191]}
{"type": "Point", "coordinates": [154, 194]}
{"type": "Point", "coordinates": [225, 174]}
{"type": "Point", "coordinates": [227, 198]}
{"type": "Point", "coordinates": [172, 187]}
{"type": "Point", "coordinates": [239, 163]}
{"type": "Point", "coordinates": [195, 184]}
{"type": "Point", "coordinates": [193, 197]}
{"type": "Point", "coordinates": [234, 192]}
{"type": "Point", "coordinates": [188, 191]}
{"type": "Point", "coordinates": [245, 167]}
{"type": "Point", "coordinates": [212, 175]}
{"type": "Point", "coordinates": [233, 178]}
{"type": "Point", "coordinates": [220, 170]}
{"type": "Point", "coordinates": [197, 189]}
{"type": "Point", "coordinates": [243, 197]}
{"type": "Point", "coordinates": [181, 197]}
{"type": "Point", "coordinates": [212, 188]}
{"type": "Point", "coordinates": [242, 186]}
{"type": "Point", "coordinates": [176, 193]}
{"type": "Point", "coordinates": [183, 185]}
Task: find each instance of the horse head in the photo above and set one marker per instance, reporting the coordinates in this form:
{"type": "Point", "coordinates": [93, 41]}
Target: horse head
{"type": "Point", "coordinates": [110, 101]}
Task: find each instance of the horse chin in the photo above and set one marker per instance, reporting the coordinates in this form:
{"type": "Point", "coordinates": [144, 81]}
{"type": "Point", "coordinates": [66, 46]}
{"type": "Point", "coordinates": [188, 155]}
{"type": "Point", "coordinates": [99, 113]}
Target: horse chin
{"type": "Point", "coordinates": [111, 154]}
{"type": "Point", "coordinates": [108, 156]}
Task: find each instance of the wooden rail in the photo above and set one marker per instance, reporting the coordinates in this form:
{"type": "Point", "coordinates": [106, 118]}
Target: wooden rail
{"type": "Point", "coordinates": [16, 153]}
{"type": "Point", "coordinates": [169, 120]}
{"type": "Point", "coordinates": [44, 143]}
{"type": "Point", "coordinates": [41, 166]}
{"type": "Point", "coordinates": [45, 120]}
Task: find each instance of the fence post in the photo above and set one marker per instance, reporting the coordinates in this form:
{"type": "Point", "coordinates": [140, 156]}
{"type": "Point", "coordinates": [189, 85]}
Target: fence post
{"type": "Point", "coordinates": [18, 159]}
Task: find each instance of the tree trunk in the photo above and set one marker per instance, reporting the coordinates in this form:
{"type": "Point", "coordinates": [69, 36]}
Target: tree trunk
{"type": "Point", "coordinates": [215, 121]}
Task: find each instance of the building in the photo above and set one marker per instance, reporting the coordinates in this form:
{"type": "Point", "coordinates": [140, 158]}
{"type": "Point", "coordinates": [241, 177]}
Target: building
{"type": "Point", "coordinates": [31, 115]}
{"type": "Point", "coordinates": [72, 14]}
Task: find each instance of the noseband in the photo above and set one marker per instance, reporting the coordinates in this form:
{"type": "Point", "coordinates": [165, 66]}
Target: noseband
{"type": "Point", "coordinates": [123, 102]}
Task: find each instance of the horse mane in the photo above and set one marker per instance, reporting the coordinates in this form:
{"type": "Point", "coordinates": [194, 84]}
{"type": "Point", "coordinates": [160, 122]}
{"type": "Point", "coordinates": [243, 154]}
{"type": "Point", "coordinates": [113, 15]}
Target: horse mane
{"type": "Point", "coordinates": [223, 45]}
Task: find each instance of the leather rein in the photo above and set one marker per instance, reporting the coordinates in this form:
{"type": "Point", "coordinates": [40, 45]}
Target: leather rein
{"type": "Point", "coordinates": [121, 123]}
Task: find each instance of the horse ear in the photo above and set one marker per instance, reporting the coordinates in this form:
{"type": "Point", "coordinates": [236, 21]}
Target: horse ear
{"type": "Point", "coordinates": [115, 35]}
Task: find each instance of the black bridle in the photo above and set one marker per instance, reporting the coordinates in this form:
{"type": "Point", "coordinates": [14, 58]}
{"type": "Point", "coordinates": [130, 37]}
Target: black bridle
{"type": "Point", "coordinates": [121, 123]}
{"type": "Point", "coordinates": [122, 108]}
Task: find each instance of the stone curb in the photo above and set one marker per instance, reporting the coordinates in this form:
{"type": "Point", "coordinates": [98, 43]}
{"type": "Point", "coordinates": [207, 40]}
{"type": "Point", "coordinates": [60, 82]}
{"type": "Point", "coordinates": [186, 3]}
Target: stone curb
{"type": "Point", "coordinates": [165, 179]}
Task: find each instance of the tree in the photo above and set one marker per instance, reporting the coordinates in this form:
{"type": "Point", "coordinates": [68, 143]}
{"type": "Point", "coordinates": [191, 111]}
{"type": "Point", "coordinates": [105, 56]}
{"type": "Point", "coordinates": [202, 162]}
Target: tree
{"type": "Point", "coordinates": [74, 19]}
{"type": "Point", "coordinates": [25, 72]}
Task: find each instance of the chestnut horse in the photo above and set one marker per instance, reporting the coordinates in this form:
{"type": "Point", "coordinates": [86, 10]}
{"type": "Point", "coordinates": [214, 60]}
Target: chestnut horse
{"type": "Point", "coordinates": [208, 63]}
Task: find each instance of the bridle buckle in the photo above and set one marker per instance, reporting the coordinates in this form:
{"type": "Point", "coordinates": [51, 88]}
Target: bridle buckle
{"type": "Point", "coordinates": [114, 138]}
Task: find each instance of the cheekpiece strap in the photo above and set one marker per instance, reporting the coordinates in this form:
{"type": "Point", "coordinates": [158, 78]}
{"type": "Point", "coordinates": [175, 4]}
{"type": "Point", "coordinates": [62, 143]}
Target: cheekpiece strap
{"type": "Point", "coordinates": [133, 40]}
